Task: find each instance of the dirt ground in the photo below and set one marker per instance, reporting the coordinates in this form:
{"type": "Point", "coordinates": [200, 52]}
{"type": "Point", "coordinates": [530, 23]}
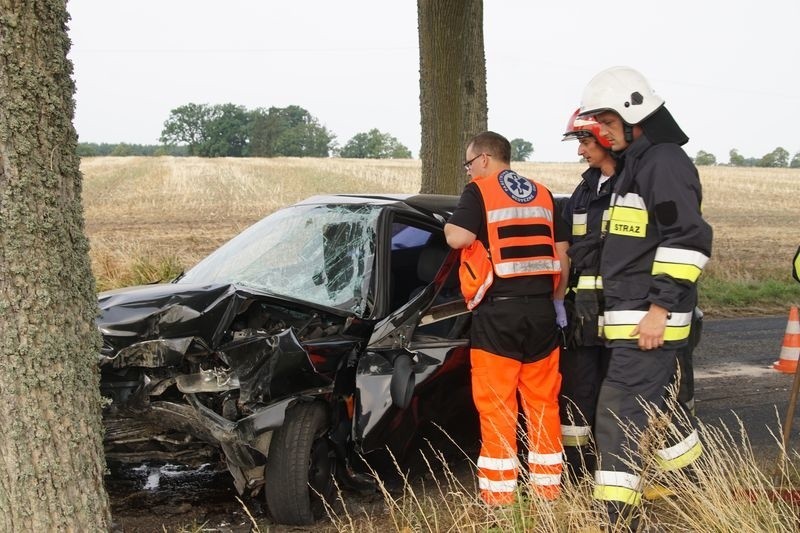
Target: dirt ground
{"type": "Point", "coordinates": [174, 499]}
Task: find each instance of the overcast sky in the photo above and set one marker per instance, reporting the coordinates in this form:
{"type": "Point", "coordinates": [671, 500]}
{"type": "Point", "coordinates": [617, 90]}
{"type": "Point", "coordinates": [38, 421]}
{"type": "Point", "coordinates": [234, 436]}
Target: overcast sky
{"type": "Point", "coordinates": [729, 70]}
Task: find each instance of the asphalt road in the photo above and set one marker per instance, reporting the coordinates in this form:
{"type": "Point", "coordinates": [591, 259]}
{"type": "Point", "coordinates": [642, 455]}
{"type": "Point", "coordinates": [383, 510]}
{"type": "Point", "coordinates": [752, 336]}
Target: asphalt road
{"type": "Point", "coordinates": [734, 379]}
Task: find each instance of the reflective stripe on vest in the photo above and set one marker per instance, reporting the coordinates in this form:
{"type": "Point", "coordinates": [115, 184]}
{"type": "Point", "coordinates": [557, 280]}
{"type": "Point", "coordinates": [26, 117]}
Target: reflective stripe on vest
{"type": "Point", "coordinates": [618, 325]}
{"type": "Point", "coordinates": [519, 219]}
{"type": "Point", "coordinates": [478, 298]}
{"type": "Point", "coordinates": [679, 263]}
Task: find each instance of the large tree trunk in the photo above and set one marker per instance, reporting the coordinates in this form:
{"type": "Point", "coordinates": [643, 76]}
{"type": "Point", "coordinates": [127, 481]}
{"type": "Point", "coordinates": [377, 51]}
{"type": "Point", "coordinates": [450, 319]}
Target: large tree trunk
{"type": "Point", "coordinates": [51, 455]}
{"type": "Point", "coordinates": [452, 88]}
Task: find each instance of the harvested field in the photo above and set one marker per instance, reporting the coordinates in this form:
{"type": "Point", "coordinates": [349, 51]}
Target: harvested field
{"type": "Point", "coordinates": [149, 217]}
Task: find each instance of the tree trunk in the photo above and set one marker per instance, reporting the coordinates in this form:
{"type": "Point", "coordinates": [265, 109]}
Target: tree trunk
{"type": "Point", "coordinates": [51, 455]}
{"type": "Point", "coordinates": [452, 88]}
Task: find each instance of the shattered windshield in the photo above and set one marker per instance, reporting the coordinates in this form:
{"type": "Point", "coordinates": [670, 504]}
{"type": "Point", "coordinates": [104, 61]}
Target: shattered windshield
{"type": "Point", "coordinates": [317, 253]}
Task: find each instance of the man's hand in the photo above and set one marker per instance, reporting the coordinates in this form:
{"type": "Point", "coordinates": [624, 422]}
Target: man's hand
{"type": "Point", "coordinates": [651, 328]}
{"type": "Point", "coordinates": [561, 313]}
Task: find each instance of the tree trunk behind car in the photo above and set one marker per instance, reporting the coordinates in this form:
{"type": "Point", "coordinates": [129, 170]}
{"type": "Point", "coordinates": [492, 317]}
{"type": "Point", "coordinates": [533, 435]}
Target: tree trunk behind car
{"type": "Point", "coordinates": [51, 472]}
{"type": "Point", "coordinates": [452, 83]}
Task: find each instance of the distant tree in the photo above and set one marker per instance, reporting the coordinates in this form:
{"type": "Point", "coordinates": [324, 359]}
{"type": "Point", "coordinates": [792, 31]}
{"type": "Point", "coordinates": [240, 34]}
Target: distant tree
{"type": "Point", "coordinates": [521, 149]}
{"type": "Point", "coordinates": [187, 125]}
{"type": "Point", "coordinates": [705, 159]}
{"type": "Point", "coordinates": [86, 150]}
{"type": "Point", "coordinates": [125, 149]}
{"type": "Point", "coordinates": [795, 163]}
{"type": "Point", "coordinates": [289, 131]}
{"type": "Point", "coordinates": [452, 83]}
{"type": "Point", "coordinates": [374, 145]}
{"type": "Point", "coordinates": [122, 149]}
{"type": "Point", "coordinates": [225, 132]}
{"type": "Point", "coordinates": [777, 158]}
{"type": "Point", "coordinates": [735, 159]}
{"type": "Point", "coordinates": [265, 126]}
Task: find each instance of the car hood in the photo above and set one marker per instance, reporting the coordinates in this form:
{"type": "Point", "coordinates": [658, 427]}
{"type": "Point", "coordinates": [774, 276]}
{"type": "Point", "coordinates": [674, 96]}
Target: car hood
{"type": "Point", "coordinates": [178, 311]}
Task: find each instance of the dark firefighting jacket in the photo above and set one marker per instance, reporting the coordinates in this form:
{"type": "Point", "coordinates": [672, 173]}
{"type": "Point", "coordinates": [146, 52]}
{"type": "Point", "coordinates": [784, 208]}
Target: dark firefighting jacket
{"type": "Point", "coordinates": [587, 213]}
{"type": "Point", "coordinates": [657, 242]}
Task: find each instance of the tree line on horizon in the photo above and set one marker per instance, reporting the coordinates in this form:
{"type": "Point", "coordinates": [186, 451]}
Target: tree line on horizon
{"type": "Point", "coordinates": [229, 130]}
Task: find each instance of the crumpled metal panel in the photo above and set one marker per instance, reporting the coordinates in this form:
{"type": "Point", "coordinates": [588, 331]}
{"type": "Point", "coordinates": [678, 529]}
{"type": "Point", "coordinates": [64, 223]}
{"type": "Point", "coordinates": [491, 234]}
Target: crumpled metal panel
{"type": "Point", "coordinates": [167, 311]}
{"type": "Point", "coordinates": [270, 367]}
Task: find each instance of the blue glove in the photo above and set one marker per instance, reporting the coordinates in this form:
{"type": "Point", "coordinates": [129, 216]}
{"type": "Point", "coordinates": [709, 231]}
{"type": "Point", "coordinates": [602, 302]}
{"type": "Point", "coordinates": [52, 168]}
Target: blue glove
{"type": "Point", "coordinates": [561, 313]}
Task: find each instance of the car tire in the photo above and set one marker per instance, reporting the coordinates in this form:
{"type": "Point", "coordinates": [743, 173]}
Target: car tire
{"type": "Point", "coordinates": [300, 468]}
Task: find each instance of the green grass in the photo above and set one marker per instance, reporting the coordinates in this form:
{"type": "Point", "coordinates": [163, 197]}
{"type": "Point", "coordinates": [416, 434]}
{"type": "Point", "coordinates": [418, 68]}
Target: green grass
{"type": "Point", "coordinates": [721, 298]}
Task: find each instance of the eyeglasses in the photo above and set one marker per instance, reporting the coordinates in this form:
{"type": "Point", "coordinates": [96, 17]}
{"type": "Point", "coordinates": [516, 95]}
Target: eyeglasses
{"type": "Point", "coordinates": [468, 164]}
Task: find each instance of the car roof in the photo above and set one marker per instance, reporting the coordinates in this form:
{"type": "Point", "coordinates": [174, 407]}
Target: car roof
{"type": "Point", "coordinates": [441, 204]}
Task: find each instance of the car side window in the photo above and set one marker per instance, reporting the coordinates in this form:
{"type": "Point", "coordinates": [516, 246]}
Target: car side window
{"type": "Point", "coordinates": [408, 241]}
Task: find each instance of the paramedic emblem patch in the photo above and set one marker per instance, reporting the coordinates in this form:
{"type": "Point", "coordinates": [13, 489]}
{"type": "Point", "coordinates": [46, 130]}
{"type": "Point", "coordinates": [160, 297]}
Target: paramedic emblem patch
{"type": "Point", "coordinates": [518, 188]}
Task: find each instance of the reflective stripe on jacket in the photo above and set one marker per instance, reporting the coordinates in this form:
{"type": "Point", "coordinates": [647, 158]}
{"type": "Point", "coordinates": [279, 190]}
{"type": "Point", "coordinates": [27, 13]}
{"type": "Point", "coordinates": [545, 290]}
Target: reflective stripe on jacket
{"type": "Point", "coordinates": [657, 242]}
{"type": "Point", "coordinates": [519, 221]}
{"type": "Point", "coordinates": [587, 211]}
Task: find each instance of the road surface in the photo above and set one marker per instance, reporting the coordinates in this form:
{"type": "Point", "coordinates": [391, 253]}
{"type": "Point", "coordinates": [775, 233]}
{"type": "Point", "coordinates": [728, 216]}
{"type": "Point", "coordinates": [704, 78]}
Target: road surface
{"type": "Point", "coordinates": [734, 378]}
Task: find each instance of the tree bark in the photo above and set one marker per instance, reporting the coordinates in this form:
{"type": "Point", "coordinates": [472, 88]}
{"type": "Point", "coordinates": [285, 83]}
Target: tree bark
{"type": "Point", "coordinates": [51, 455]}
{"type": "Point", "coordinates": [452, 88]}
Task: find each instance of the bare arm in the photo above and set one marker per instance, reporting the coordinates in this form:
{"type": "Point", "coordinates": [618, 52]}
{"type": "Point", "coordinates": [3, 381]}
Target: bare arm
{"type": "Point", "coordinates": [458, 237]}
{"type": "Point", "coordinates": [561, 253]}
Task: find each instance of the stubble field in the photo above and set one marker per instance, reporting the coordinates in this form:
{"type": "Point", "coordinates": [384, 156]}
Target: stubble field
{"type": "Point", "coordinates": [149, 218]}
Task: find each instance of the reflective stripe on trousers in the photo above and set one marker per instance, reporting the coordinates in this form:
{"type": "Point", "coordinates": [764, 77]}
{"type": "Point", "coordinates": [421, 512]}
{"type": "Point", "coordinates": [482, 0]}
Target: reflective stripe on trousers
{"type": "Point", "coordinates": [495, 382]}
{"type": "Point", "coordinates": [635, 377]}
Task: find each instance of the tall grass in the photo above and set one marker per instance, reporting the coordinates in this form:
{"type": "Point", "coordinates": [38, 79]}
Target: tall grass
{"type": "Point", "coordinates": [729, 489]}
{"type": "Point", "coordinates": [149, 218]}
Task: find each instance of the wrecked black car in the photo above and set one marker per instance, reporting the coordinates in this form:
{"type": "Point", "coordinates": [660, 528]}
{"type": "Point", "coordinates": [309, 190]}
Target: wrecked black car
{"type": "Point", "coordinates": [328, 333]}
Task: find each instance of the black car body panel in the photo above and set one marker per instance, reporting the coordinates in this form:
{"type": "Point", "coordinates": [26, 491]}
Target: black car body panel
{"type": "Point", "coordinates": [211, 363]}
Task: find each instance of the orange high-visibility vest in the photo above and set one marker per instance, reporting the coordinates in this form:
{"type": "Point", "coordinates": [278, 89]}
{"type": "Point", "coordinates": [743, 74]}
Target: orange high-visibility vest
{"type": "Point", "coordinates": [519, 218]}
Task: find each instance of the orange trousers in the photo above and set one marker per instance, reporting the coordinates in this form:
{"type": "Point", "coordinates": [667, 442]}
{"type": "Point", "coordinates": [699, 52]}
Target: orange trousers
{"type": "Point", "coordinates": [495, 383]}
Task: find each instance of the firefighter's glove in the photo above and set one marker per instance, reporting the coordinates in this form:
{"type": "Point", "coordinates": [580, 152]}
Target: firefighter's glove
{"type": "Point", "coordinates": [561, 313]}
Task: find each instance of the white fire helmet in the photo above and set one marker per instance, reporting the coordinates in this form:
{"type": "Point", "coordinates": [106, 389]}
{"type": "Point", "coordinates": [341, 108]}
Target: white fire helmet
{"type": "Point", "coordinates": [620, 89]}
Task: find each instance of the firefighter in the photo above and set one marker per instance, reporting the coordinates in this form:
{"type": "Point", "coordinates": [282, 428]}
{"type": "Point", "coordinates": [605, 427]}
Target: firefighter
{"type": "Point", "coordinates": [655, 249]}
{"type": "Point", "coordinates": [584, 362]}
{"type": "Point", "coordinates": [513, 266]}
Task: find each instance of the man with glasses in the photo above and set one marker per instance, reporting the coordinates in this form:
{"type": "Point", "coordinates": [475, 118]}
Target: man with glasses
{"type": "Point", "coordinates": [514, 336]}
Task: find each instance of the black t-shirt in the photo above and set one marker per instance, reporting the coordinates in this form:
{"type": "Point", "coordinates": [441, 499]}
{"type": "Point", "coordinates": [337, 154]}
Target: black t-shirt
{"type": "Point", "coordinates": [469, 214]}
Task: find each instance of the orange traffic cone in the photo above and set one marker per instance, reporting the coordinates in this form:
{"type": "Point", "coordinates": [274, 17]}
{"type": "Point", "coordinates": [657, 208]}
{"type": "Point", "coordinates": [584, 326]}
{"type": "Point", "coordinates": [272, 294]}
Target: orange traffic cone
{"type": "Point", "coordinates": [791, 345]}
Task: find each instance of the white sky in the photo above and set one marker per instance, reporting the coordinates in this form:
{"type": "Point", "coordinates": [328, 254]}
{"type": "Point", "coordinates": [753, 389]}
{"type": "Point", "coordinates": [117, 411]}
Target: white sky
{"type": "Point", "coordinates": [729, 70]}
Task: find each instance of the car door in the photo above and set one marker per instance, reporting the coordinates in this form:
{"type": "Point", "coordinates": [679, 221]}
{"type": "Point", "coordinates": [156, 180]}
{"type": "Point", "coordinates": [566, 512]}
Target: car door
{"type": "Point", "coordinates": [413, 381]}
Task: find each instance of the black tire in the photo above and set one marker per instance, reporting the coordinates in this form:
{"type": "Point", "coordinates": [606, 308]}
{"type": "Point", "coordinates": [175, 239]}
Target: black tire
{"type": "Point", "coordinates": [300, 466]}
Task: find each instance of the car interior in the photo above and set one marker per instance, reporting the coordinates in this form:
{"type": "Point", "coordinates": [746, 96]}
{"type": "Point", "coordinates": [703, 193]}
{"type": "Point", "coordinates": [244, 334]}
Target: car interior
{"type": "Point", "coordinates": [417, 253]}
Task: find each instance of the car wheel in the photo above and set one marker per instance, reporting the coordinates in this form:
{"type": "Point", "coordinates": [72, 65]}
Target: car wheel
{"type": "Point", "coordinates": [300, 466]}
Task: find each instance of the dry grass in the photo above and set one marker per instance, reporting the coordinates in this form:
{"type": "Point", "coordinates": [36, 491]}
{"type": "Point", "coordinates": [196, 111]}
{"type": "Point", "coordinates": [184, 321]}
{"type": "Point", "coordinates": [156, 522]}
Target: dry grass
{"type": "Point", "coordinates": [731, 489]}
{"type": "Point", "coordinates": [148, 218]}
